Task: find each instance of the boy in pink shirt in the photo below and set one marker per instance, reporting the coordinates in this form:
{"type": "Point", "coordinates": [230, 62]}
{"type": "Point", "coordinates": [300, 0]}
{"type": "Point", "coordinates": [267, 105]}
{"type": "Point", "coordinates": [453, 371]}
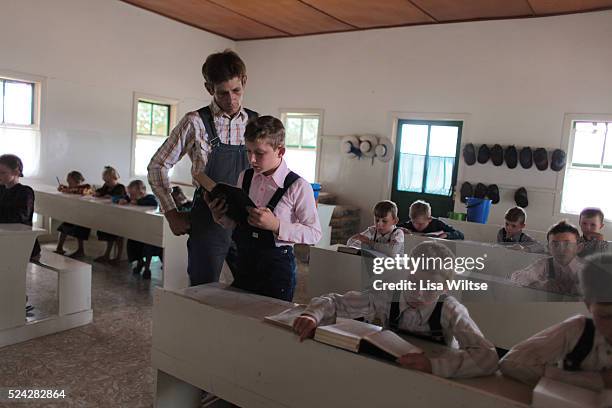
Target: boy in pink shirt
{"type": "Point", "coordinates": [285, 215]}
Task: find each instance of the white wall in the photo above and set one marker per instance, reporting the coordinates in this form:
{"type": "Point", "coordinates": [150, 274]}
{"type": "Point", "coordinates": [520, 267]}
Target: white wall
{"type": "Point", "coordinates": [93, 55]}
{"type": "Point", "coordinates": [513, 80]}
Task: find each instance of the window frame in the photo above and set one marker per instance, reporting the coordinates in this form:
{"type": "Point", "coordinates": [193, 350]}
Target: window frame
{"type": "Point", "coordinates": [567, 144]}
{"type": "Point", "coordinates": [307, 113]}
{"type": "Point", "coordinates": [37, 93]}
{"type": "Point", "coordinates": [172, 119]}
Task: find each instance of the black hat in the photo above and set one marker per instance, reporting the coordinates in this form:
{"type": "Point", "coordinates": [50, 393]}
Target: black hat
{"type": "Point", "coordinates": [540, 157]}
{"type": "Point", "coordinates": [469, 154]}
{"type": "Point", "coordinates": [483, 154]}
{"type": "Point", "coordinates": [493, 193]}
{"type": "Point", "coordinates": [497, 155]}
{"type": "Point", "coordinates": [480, 191]}
{"type": "Point", "coordinates": [520, 197]}
{"type": "Point", "coordinates": [511, 157]}
{"type": "Point", "coordinates": [526, 157]}
{"type": "Point", "coordinates": [466, 191]}
{"type": "Point", "coordinates": [557, 161]}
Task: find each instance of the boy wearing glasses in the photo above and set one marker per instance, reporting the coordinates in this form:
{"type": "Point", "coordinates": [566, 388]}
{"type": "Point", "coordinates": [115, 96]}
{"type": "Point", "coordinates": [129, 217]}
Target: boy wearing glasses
{"type": "Point", "coordinates": [559, 273]}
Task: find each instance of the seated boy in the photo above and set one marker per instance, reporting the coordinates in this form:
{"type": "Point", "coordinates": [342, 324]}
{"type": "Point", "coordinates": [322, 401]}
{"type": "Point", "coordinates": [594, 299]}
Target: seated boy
{"type": "Point", "coordinates": [139, 251]}
{"type": "Point", "coordinates": [591, 223]}
{"type": "Point", "coordinates": [383, 236]}
{"type": "Point", "coordinates": [427, 313]}
{"type": "Point", "coordinates": [578, 350]}
{"type": "Point", "coordinates": [422, 222]}
{"type": "Point", "coordinates": [558, 273]}
{"type": "Point", "coordinates": [512, 232]}
{"type": "Point", "coordinates": [286, 214]}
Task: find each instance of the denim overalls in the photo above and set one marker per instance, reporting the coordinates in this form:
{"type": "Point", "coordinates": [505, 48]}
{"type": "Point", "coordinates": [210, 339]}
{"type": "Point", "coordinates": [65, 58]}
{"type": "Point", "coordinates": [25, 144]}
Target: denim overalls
{"type": "Point", "coordinates": [262, 267]}
{"type": "Point", "coordinates": [209, 244]}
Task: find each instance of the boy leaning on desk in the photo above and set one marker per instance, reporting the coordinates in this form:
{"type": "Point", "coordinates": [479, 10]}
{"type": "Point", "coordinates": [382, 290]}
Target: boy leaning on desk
{"type": "Point", "coordinates": [431, 314]}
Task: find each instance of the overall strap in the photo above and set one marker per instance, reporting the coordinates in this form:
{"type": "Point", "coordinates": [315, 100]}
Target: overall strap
{"type": "Point", "coordinates": [251, 113]}
{"type": "Point", "coordinates": [278, 194]}
{"type": "Point", "coordinates": [246, 180]}
{"type": "Point", "coordinates": [551, 268]}
{"type": "Point", "coordinates": [394, 312]}
{"type": "Point", "coordinates": [209, 124]}
{"type": "Point", "coordinates": [434, 321]}
{"type": "Point", "coordinates": [574, 358]}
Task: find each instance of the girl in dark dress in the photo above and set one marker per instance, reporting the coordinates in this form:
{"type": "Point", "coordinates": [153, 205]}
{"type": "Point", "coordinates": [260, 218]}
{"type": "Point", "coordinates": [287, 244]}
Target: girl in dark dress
{"type": "Point", "coordinates": [139, 251]}
{"type": "Point", "coordinates": [111, 188]}
{"type": "Point", "coordinates": [16, 200]}
{"type": "Point", "coordinates": [75, 185]}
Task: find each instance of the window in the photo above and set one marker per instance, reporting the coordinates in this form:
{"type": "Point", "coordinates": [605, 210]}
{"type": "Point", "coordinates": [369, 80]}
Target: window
{"type": "Point", "coordinates": [20, 118]}
{"type": "Point", "coordinates": [427, 156]}
{"type": "Point", "coordinates": [302, 130]}
{"type": "Point", "coordinates": [153, 122]}
{"type": "Point", "coordinates": [588, 170]}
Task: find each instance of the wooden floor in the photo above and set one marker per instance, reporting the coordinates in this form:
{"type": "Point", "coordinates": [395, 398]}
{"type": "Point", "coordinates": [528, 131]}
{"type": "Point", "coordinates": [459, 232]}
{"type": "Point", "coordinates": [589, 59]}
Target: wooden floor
{"type": "Point", "coordinates": [103, 364]}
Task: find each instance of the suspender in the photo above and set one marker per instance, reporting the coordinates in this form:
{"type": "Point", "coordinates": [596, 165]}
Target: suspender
{"type": "Point", "coordinates": [434, 321]}
{"type": "Point", "coordinates": [376, 233]}
{"type": "Point", "coordinates": [505, 236]}
{"type": "Point", "coordinates": [551, 268]}
{"type": "Point", "coordinates": [209, 123]}
{"type": "Point", "coordinates": [278, 194]}
{"type": "Point", "coordinates": [574, 358]}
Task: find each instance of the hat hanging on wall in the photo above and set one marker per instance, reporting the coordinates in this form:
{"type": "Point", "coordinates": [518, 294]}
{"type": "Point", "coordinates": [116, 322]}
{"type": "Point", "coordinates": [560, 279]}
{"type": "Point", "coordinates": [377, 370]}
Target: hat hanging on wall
{"type": "Point", "coordinates": [511, 157]}
{"type": "Point", "coordinates": [480, 191]}
{"type": "Point", "coordinates": [367, 145]}
{"type": "Point", "coordinates": [493, 193]}
{"type": "Point", "coordinates": [526, 157]}
{"type": "Point", "coordinates": [350, 146]}
{"type": "Point", "coordinates": [540, 157]}
{"type": "Point", "coordinates": [466, 191]}
{"type": "Point", "coordinates": [520, 197]}
{"type": "Point", "coordinates": [483, 154]}
{"type": "Point", "coordinates": [557, 161]}
{"type": "Point", "coordinates": [469, 154]}
{"type": "Point", "coordinates": [497, 155]}
{"type": "Point", "coordinates": [384, 149]}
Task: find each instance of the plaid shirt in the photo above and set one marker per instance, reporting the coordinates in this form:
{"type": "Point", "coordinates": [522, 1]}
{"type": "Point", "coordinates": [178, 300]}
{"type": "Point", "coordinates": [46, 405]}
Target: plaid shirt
{"type": "Point", "coordinates": [190, 137]}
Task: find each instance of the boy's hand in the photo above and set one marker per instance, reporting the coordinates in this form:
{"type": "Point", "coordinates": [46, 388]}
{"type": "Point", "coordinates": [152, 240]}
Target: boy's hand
{"type": "Point", "coordinates": [263, 218]}
{"type": "Point", "coordinates": [362, 238]}
{"type": "Point", "coordinates": [595, 236]}
{"type": "Point", "coordinates": [62, 188]}
{"type": "Point", "coordinates": [218, 208]}
{"type": "Point", "coordinates": [415, 361]}
{"type": "Point", "coordinates": [123, 201]}
{"type": "Point", "coordinates": [304, 326]}
{"type": "Point", "coordinates": [179, 222]}
{"type": "Point", "coordinates": [443, 235]}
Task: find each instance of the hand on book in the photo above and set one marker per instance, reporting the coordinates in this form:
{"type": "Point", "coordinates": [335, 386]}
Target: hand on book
{"type": "Point", "coordinates": [362, 238]}
{"type": "Point", "coordinates": [304, 326]}
{"type": "Point", "coordinates": [264, 219]}
{"type": "Point", "coordinates": [415, 361]}
{"type": "Point", "coordinates": [218, 207]}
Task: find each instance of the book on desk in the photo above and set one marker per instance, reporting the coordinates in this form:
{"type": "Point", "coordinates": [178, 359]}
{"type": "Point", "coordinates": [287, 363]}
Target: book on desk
{"type": "Point", "coordinates": [352, 335]}
{"type": "Point", "coordinates": [550, 393]}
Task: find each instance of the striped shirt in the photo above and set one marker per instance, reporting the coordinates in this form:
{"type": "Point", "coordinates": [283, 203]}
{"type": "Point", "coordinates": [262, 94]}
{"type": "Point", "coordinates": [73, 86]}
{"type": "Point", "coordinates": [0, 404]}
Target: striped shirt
{"type": "Point", "coordinates": [190, 137]}
{"type": "Point", "coordinates": [472, 355]}
{"type": "Point", "coordinates": [543, 354]}
{"type": "Point", "coordinates": [390, 244]}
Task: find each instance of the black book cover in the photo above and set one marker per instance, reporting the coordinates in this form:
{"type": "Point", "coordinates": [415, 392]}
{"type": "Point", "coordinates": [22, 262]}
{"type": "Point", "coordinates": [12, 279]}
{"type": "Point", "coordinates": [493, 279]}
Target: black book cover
{"type": "Point", "coordinates": [237, 201]}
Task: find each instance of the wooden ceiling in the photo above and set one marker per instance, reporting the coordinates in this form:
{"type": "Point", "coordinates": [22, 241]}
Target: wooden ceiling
{"type": "Point", "coordinates": [258, 19]}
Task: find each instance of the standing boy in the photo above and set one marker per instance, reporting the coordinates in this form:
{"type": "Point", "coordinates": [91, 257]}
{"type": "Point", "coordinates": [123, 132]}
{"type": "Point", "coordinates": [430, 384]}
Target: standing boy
{"type": "Point", "coordinates": [286, 214]}
{"type": "Point", "coordinates": [213, 137]}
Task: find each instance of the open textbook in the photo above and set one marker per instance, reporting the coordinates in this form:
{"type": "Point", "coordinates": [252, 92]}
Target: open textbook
{"type": "Point", "coordinates": [352, 335]}
{"type": "Point", "coordinates": [551, 393]}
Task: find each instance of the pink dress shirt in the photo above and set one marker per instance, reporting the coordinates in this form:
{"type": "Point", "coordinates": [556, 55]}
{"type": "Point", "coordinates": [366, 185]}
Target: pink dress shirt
{"type": "Point", "coordinates": [296, 210]}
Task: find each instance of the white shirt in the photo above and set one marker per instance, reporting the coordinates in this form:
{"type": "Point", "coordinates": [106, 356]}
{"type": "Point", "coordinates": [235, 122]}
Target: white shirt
{"type": "Point", "coordinates": [390, 244]}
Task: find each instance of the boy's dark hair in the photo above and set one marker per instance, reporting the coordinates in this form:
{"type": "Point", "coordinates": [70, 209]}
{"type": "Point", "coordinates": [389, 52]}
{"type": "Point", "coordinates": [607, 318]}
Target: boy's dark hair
{"type": "Point", "coordinates": [382, 208]}
{"type": "Point", "coordinates": [419, 208]}
{"type": "Point", "coordinates": [139, 184]}
{"type": "Point", "coordinates": [12, 162]}
{"type": "Point", "coordinates": [516, 214]}
{"type": "Point", "coordinates": [591, 212]}
{"type": "Point", "coordinates": [76, 176]}
{"type": "Point", "coordinates": [562, 227]}
{"type": "Point", "coordinates": [223, 66]}
{"type": "Point", "coordinates": [265, 128]}
{"type": "Point", "coordinates": [112, 171]}
{"type": "Point", "coordinates": [596, 278]}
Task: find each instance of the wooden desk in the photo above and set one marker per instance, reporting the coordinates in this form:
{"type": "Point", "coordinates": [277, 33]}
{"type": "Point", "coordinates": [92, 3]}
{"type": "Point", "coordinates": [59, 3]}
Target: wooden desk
{"type": "Point", "coordinates": [214, 339]}
{"type": "Point", "coordinates": [142, 224]}
{"type": "Point", "coordinates": [474, 231]}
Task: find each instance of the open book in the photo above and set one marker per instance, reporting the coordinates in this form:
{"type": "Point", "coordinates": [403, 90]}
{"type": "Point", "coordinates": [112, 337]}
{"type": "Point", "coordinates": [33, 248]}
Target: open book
{"type": "Point", "coordinates": [349, 250]}
{"type": "Point", "coordinates": [237, 199]}
{"type": "Point", "coordinates": [551, 393]}
{"type": "Point", "coordinates": [352, 335]}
